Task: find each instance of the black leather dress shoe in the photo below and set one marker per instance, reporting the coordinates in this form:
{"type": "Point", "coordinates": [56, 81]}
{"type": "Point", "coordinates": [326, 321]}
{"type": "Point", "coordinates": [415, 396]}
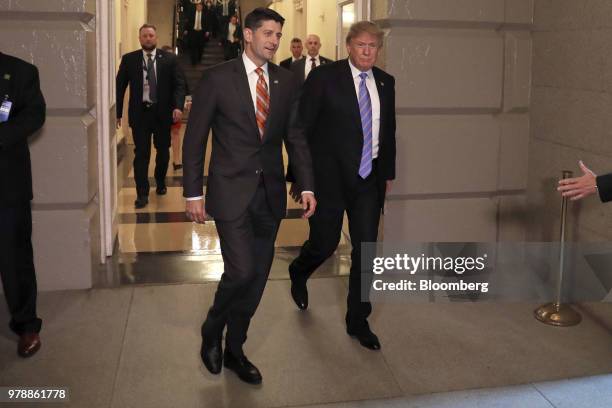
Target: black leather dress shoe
{"type": "Point", "coordinates": [212, 355]}
{"type": "Point", "coordinates": [161, 190]}
{"type": "Point", "coordinates": [363, 333]}
{"type": "Point", "coordinates": [245, 370]}
{"type": "Point", "coordinates": [141, 202]}
{"type": "Point", "coordinates": [299, 292]}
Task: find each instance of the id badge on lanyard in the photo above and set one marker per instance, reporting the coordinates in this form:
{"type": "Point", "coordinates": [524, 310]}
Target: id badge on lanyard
{"type": "Point", "coordinates": [5, 109]}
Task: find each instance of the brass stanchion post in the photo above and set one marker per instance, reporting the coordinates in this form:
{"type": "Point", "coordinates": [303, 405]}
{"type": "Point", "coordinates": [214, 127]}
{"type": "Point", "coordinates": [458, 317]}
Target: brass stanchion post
{"type": "Point", "coordinates": [557, 313]}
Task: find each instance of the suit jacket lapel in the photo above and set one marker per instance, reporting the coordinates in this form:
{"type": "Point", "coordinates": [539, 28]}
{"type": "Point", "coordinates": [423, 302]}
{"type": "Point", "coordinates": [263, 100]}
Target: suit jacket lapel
{"type": "Point", "coordinates": [348, 85]}
{"type": "Point", "coordinates": [380, 86]}
{"type": "Point", "coordinates": [159, 64]}
{"type": "Point", "coordinates": [242, 86]}
{"type": "Point", "coordinates": [4, 81]}
{"type": "Point", "coordinates": [302, 67]}
{"type": "Point", "coordinates": [274, 89]}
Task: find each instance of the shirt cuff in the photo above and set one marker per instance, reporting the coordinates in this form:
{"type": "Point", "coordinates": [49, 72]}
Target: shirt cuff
{"type": "Point", "coordinates": [307, 192]}
{"type": "Point", "coordinates": [194, 198]}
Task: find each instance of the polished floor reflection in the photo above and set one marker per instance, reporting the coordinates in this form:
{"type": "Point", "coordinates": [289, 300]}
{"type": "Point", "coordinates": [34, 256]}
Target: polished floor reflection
{"type": "Point", "coordinates": [159, 244]}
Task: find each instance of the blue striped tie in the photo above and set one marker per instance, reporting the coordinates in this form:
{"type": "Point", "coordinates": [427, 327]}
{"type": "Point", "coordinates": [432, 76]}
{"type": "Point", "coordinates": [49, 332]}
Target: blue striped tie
{"type": "Point", "coordinates": [365, 111]}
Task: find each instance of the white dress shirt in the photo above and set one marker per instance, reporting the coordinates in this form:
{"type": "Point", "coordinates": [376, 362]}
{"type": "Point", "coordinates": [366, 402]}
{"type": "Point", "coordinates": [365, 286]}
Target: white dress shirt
{"type": "Point", "coordinates": [231, 29]}
{"type": "Point", "coordinates": [308, 64]}
{"type": "Point", "coordinates": [375, 100]}
{"type": "Point", "coordinates": [145, 84]}
{"type": "Point", "coordinates": [253, 77]}
{"type": "Point", "coordinates": [197, 25]}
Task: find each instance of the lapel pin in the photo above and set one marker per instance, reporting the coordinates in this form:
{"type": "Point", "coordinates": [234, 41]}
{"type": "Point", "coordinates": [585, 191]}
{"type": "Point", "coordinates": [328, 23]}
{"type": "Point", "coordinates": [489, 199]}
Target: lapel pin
{"type": "Point", "coordinates": [7, 76]}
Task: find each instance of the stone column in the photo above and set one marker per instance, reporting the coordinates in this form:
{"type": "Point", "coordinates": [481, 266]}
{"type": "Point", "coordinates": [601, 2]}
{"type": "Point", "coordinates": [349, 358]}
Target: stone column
{"type": "Point", "coordinates": [463, 72]}
{"type": "Point", "coordinates": [58, 36]}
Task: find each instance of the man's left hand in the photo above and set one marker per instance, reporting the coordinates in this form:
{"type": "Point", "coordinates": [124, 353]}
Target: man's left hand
{"type": "Point", "coordinates": [177, 115]}
{"type": "Point", "coordinates": [389, 186]}
{"type": "Point", "coordinates": [309, 204]}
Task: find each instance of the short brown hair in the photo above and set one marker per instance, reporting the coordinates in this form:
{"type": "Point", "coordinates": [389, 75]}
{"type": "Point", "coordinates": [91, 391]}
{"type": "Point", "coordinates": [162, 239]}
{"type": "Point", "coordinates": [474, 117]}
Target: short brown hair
{"type": "Point", "coordinates": [365, 26]}
{"type": "Point", "coordinates": [296, 40]}
{"type": "Point", "coordinates": [147, 26]}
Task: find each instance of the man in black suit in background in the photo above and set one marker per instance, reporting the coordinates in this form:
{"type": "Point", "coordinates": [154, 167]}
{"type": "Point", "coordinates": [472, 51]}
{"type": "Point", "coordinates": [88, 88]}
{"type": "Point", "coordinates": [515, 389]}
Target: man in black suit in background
{"type": "Point", "coordinates": [251, 106]}
{"type": "Point", "coordinates": [157, 97]}
{"type": "Point", "coordinates": [198, 29]}
{"type": "Point", "coordinates": [302, 67]}
{"type": "Point", "coordinates": [22, 112]}
{"type": "Point", "coordinates": [296, 53]}
{"type": "Point", "coordinates": [348, 110]}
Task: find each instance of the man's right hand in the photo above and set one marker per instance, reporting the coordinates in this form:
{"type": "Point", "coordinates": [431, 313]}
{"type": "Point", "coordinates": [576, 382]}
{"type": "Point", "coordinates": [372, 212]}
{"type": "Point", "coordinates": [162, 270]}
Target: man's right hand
{"type": "Point", "coordinates": [195, 211]}
{"type": "Point", "coordinates": [118, 123]}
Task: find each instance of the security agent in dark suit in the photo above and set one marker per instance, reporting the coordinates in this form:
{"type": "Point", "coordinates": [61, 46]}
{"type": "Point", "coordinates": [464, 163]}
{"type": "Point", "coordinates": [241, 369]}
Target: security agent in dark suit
{"type": "Point", "coordinates": [22, 112]}
{"type": "Point", "coordinates": [198, 30]}
{"type": "Point", "coordinates": [296, 53]}
{"type": "Point", "coordinates": [302, 68]}
{"type": "Point", "coordinates": [157, 97]}
{"type": "Point", "coordinates": [348, 110]}
{"type": "Point", "coordinates": [589, 183]}
{"type": "Point", "coordinates": [251, 106]}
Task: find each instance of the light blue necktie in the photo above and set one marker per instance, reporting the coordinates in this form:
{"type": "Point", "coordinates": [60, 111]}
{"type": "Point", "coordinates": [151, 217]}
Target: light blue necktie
{"type": "Point", "coordinates": [365, 111]}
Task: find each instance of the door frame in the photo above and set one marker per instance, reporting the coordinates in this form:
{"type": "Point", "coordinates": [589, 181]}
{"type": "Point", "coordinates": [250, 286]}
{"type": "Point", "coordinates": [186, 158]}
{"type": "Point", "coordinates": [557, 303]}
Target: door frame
{"type": "Point", "coordinates": [107, 146]}
{"type": "Point", "coordinates": [362, 12]}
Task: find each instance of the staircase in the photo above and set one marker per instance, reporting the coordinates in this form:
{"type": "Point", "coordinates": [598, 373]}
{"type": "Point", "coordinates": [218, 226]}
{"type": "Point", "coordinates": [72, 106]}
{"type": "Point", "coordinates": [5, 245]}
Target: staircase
{"type": "Point", "coordinates": [213, 55]}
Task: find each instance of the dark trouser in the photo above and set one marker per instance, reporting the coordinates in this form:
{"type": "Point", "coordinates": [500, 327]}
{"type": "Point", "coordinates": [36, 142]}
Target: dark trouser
{"type": "Point", "coordinates": [150, 125]}
{"type": "Point", "coordinates": [17, 268]}
{"type": "Point", "coordinates": [325, 228]}
{"type": "Point", "coordinates": [230, 50]}
{"type": "Point", "coordinates": [196, 46]}
{"type": "Point", "coordinates": [247, 247]}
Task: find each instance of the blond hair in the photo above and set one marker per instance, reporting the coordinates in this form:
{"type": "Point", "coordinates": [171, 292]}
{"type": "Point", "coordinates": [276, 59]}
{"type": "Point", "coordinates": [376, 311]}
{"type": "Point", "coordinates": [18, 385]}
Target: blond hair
{"type": "Point", "coordinates": [365, 26]}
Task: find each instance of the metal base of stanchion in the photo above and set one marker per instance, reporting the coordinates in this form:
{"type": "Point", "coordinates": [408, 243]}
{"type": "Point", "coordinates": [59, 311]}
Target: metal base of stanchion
{"type": "Point", "coordinates": [557, 314]}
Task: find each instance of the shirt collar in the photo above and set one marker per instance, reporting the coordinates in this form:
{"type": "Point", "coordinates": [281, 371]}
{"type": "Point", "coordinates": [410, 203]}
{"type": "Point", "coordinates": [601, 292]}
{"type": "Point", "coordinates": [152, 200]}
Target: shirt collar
{"type": "Point", "coordinates": [315, 57]}
{"type": "Point", "coordinates": [250, 65]}
{"type": "Point", "coordinates": [355, 72]}
{"type": "Point", "coordinates": [153, 54]}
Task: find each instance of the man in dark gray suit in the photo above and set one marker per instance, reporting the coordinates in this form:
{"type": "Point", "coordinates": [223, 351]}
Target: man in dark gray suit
{"type": "Point", "coordinates": [301, 68]}
{"type": "Point", "coordinates": [251, 106]}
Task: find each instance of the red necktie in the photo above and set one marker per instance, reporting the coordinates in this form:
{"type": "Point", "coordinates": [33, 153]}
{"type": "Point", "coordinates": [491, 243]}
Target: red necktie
{"type": "Point", "coordinates": [263, 102]}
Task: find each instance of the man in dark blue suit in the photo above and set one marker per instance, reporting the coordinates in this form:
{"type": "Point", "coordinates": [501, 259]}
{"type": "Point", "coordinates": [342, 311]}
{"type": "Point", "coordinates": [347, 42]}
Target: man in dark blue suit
{"type": "Point", "coordinates": [348, 111]}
